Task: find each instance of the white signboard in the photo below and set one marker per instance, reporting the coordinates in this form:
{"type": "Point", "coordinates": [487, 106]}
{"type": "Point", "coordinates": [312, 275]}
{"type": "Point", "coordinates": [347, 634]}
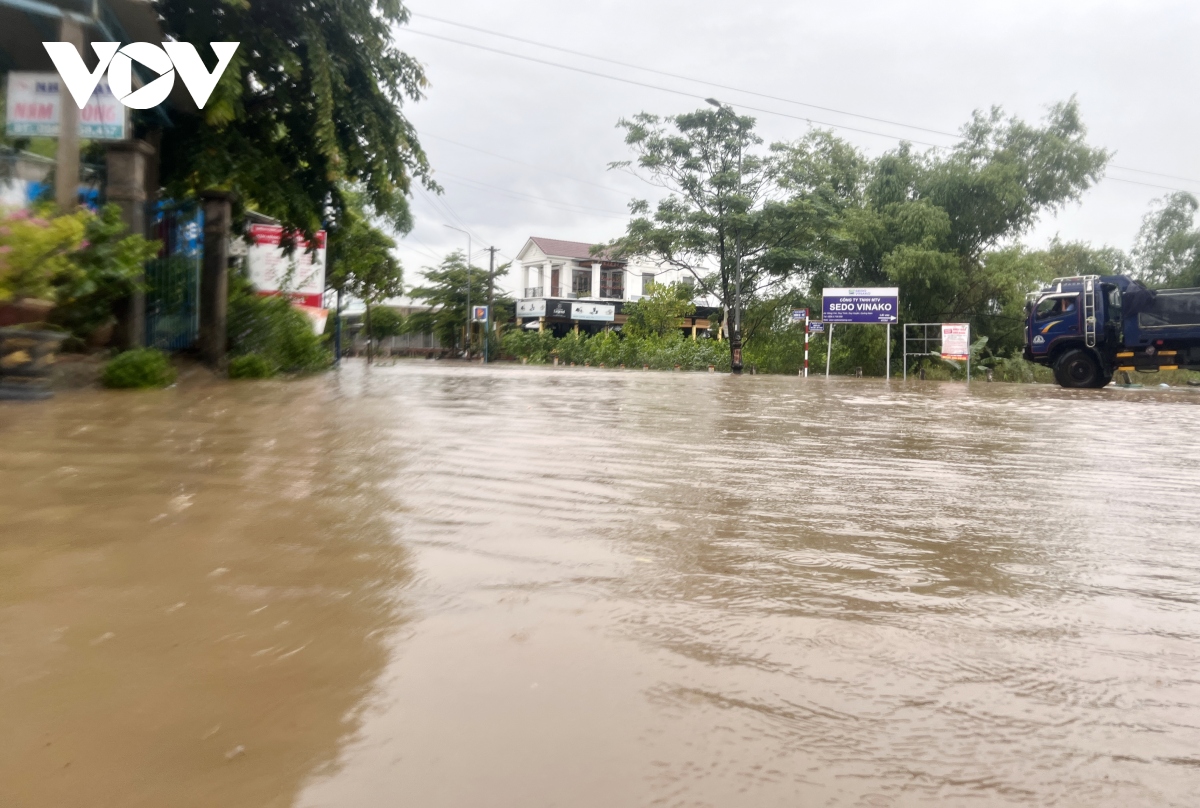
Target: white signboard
{"type": "Point", "coordinates": [33, 109]}
{"type": "Point", "coordinates": [531, 308]}
{"type": "Point", "coordinates": [301, 274]}
{"type": "Point", "coordinates": [593, 311]}
{"type": "Point", "coordinates": [862, 305]}
{"type": "Point", "coordinates": [956, 341]}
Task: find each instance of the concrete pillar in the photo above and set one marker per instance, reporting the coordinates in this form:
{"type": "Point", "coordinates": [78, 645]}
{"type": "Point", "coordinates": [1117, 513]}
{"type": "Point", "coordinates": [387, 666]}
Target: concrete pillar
{"type": "Point", "coordinates": [596, 279]}
{"type": "Point", "coordinates": [541, 324]}
{"type": "Point", "coordinates": [214, 275]}
{"type": "Point", "coordinates": [128, 162]}
{"type": "Point", "coordinates": [66, 172]}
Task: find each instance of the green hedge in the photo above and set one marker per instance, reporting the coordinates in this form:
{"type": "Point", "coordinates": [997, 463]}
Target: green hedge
{"type": "Point", "coordinates": [611, 349]}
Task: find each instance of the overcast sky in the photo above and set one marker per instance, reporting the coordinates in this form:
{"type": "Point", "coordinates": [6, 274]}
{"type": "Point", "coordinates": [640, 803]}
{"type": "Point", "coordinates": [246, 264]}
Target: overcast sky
{"type": "Point", "coordinates": [551, 132]}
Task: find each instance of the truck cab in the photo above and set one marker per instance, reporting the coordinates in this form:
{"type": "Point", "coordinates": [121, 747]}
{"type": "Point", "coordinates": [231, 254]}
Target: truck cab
{"type": "Point", "coordinates": [1087, 328]}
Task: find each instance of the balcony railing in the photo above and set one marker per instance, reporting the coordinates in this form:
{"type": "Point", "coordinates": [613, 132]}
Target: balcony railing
{"type": "Point", "coordinates": [534, 291]}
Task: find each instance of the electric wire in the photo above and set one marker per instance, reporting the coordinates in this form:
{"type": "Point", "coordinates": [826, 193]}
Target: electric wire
{"type": "Point", "coordinates": [684, 93]}
{"type": "Point", "coordinates": [718, 85]}
{"type": "Point", "coordinates": [527, 165]}
{"type": "Point", "coordinates": [552, 202]}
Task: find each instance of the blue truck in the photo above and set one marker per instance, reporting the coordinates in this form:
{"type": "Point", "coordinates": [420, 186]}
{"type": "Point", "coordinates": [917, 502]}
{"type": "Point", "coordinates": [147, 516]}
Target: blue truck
{"type": "Point", "coordinates": [1091, 327]}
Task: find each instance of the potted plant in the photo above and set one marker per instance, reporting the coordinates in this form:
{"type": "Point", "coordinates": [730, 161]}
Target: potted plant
{"type": "Point", "coordinates": [35, 253]}
{"type": "Point", "coordinates": [60, 276]}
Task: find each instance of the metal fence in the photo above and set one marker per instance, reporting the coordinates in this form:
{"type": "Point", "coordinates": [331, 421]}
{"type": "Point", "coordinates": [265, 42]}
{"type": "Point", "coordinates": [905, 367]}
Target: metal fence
{"type": "Point", "coordinates": [173, 279]}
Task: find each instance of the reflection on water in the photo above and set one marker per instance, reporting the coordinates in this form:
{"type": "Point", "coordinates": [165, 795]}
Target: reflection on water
{"type": "Point", "coordinates": [193, 593]}
{"type": "Point", "coordinates": [534, 587]}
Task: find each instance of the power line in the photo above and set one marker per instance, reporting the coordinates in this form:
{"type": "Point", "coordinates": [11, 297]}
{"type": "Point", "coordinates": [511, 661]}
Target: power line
{"type": "Point", "coordinates": [527, 165]}
{"type": "Point", "coordinates": [1147, 184]}
{"type": "Point", "coordinates": [553, 202]}
{"type": "Point", "coordinates": [442, 206]}
{"type": "Point", "coordinates": [684, 93]}
{"type": "Point", "coordinates": [718, 85]}
{"type": "Point", "coordinates": [1153, 174]}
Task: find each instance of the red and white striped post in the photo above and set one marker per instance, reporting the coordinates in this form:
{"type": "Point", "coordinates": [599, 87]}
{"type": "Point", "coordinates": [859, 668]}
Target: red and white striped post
{"type": "Point", "coordinates": [806, 333]}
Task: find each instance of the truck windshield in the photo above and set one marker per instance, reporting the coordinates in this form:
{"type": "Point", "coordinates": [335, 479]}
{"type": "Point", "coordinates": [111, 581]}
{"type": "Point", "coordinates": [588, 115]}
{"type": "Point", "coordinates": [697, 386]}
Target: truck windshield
{"type": "Point", "coordinates": [1054, 307]}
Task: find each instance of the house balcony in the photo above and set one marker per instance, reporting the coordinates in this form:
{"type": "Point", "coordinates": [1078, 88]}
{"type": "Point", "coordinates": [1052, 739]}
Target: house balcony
{"type": "Point", "coordinates": [534, 291]}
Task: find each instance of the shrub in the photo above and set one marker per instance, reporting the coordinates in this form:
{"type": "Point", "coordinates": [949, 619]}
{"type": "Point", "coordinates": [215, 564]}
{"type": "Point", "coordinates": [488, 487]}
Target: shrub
{"type": "Point", "coordinates": [250, 366]}
{"type": "Point", "coordinates": [139, 370]}
{"type": "Point", "coordinates": [611, 349]}
{"type": "Point", "coordinates": [273, 329]}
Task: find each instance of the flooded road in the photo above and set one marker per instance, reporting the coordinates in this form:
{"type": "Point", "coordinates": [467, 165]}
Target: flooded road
{"type": "Point", "coordinates": [435, 585]}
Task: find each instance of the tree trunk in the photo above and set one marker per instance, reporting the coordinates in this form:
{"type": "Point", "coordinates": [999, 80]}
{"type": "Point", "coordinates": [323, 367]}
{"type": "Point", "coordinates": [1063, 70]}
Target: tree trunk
{"type": "Point", "coordinates": [370, 335]}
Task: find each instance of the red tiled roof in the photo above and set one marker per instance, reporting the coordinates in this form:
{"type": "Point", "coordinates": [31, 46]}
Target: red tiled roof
{"type": "Point", "coordinates": [578, 250]}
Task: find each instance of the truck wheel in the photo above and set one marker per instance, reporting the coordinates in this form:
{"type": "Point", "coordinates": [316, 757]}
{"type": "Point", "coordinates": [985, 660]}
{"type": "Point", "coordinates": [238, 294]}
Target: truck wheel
{"type": "Point", "coordinates": [1078, 369]}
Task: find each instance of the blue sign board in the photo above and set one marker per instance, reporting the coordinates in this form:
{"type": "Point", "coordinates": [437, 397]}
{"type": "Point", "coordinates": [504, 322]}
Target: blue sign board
{"type": "Point", "coordinates": [816, 328]}
{"type": "Point", "coordinates": [861, 305]}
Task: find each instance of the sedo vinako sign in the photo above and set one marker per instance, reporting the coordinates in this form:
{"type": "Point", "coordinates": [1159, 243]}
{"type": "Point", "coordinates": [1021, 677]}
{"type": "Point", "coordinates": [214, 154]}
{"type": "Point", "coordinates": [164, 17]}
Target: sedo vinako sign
{"type": "Point", "coordinates": [861, 305]}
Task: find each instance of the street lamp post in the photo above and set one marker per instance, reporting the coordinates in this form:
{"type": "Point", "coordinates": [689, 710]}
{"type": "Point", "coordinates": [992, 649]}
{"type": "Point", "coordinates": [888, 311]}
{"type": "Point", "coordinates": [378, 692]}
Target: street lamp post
{"type": "Point", "coordinates": [468, 324]}
{"type": "Point", "coordinates": [735, 339]}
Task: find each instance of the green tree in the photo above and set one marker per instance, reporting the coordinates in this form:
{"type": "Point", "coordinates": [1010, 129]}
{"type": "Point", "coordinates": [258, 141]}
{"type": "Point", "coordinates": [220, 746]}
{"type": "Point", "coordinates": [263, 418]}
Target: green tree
{"type": "Point", "coordinates": [362, 265]}
{"type": "Point", "coordinates": [940, 226]}
{"type": "Point", "coordinates": [445, 293]}
{"type": "Point", "coordinates": [309, 107]}
{"type": "Point", "coordinates": [722, 219]}
{"type": "Point", "coordinates": [659, 313]}
{"type": "Point", "coordinates": [386, 322]}
{"type": "Point", "coordinates": [1167, 251]}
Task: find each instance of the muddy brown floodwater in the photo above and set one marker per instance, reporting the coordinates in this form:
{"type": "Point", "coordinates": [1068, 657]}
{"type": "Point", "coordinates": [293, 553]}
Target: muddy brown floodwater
{"type": "Point", "coordinates": [434, 585]}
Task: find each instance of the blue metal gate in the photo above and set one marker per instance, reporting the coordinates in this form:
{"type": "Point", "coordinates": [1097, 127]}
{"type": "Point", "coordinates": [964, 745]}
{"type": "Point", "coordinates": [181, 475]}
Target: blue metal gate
{"type": "Point", "coordinates": [173, 279]}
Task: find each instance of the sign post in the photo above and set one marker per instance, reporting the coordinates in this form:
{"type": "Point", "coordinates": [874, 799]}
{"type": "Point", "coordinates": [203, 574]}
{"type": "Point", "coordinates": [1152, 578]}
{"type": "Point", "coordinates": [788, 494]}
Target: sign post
{"type": "Point", "coordinates": [797, 316]}
{"type": "Point", "coordinates": [480, 314]}
{"type": "Point", "coordinates": [956, 344]}
{"type": "Point", "coordinates": [866, 306]}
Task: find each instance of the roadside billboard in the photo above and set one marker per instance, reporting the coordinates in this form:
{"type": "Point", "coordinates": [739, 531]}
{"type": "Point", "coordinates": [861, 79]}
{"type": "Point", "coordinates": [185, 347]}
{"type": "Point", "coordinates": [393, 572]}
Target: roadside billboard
{"type": "Point", "coordinates": [300, 275]}
{"type": "Point", "coordinates": [33, 108]}
{"type": "Point", "coordinates": [956, 341]}
{"type": "Point", "coordinates": [861, 305]}
{"type": "Point", "coordinates": [479, 314]}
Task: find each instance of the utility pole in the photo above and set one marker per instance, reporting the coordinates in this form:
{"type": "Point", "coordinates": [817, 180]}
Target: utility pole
{"type": "Point", "coordinates": [487, 327]}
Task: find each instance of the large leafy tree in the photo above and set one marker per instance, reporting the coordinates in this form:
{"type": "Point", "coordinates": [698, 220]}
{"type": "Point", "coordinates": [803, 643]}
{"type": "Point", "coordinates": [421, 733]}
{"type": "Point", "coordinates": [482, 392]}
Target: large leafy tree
{"type": "Point", "coordinates": [942, 227]}
{"type": "Point", "coordinates": [659, 313]}
{"type": "Point", "coordinates": [723, 218]}
{"type": "Point", "coordinates": [309, 108]}
{"type": "Point", "coordinates": [445, 294]}
{"type": "Point", "coordinates": [1167, 252]}
{"type": "Point", "coordinates": [363, 266]}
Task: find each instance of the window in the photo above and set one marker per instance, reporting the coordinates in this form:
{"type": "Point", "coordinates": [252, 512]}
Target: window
{"type": "Point", "coordinates": [612, 284]}
{"type": "Point", "coordinates": [581, 282]}
{"type": "Point", "coordinates": [555, 274]}
{"type": "Point", "coordinates": [647, 282]}
{"type": "Point", "coordinates": [1055, 307]}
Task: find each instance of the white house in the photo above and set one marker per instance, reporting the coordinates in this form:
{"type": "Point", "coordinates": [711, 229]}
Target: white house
{"type": "Point", "coordinates": [561, 284]}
